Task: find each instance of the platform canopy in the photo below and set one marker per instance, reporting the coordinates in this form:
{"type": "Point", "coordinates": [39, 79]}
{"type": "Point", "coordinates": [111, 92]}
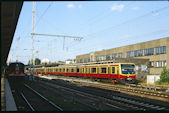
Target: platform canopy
{"type": "Point", "coordinates": [10, 12]}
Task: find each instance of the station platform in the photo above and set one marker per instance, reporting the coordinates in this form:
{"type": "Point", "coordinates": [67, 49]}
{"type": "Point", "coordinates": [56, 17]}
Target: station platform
{"type": "Point", "coordinates": [7, 99]}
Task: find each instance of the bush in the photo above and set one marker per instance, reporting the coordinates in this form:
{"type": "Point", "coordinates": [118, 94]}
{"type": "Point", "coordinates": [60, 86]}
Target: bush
{"type": "Point", "coordinates": [164, 78]}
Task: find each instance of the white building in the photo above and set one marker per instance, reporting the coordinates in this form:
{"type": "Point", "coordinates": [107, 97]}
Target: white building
{"type": "Point", "coordinates": [70, 61]}
{"type": "Point", "coordinates": [45, 60]}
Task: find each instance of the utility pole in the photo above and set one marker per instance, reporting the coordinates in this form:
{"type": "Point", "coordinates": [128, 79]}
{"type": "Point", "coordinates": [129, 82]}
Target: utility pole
{"type": "Point", "coordinates": [37, 53]}
{"type": "Point", "coordinates": [32, 40]}
{"type": "Point", "coordinates": [33, 33]}
{"type": "Point", "coordinates": [17, 40]}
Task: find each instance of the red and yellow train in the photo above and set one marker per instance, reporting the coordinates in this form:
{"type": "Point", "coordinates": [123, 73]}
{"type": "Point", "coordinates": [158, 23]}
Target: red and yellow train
{"type": "Point", "coordinates": [120, 72]}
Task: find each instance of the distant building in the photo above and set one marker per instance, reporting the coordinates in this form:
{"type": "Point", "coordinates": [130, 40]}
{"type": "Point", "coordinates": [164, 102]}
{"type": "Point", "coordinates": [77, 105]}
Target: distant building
{"type": "Point", "coordinates": [156, 51]}
{"type": "Point", "coordinates": [70, 61]}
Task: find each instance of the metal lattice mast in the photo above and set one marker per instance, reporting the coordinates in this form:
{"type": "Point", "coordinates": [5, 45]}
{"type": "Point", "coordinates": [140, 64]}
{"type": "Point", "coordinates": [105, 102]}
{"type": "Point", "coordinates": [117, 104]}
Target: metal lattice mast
{"type": "Point", "coordinates": [17, 49]}
{"type": "Point", "coordinates": [32, 40]}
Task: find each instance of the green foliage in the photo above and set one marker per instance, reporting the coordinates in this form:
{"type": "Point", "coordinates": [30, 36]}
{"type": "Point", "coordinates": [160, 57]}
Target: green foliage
{"type": "Point", "coordinates": [61, 62]}
{"type": "Point", "coordinates": [37, 61]}
{"type": "Point", "coordinates": [164, 78]}
{"type": "Point", "coordinates": [30, 62]}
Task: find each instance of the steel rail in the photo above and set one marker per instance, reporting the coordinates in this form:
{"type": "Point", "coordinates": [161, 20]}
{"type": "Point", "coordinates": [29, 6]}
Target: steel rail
{"type": "Point", "coordinates": [79, 101]}
{"type": "Point", "coordinates": [30, 106]}
{"type": "Point", "coordinates": [145, 105]}
{"type": "Point", "coordinates": [130, 101]}
{"type": "Point", "coordinates": [94, 97]}
{"type": "Point", "coordinates": [50, 102]}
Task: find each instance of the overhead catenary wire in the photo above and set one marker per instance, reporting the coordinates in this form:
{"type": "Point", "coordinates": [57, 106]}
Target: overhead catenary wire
{"type": "Point", "coordinates": [77, 42]}
{"type": "Point", "coordinates": [43, 14]}
{"type": "Point", "coordinates": [40, 17]}
{"type": "Point", "coordinates": [130, 20]}
{"type": "Point", "coordinates": [125, 22]}
{"type": "Point", "coordinates": [129, 39]}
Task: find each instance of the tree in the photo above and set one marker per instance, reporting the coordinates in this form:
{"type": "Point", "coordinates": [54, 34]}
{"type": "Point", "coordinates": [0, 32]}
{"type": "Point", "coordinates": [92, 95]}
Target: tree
{"type": "Point", "coordinates": [61, 62]}
{"type": "Point", "coordinates": [164, 78]}
{"type": "Point", "coordinates": [37, 61]}
{"type": "Point", "coordinates": [30, 62]}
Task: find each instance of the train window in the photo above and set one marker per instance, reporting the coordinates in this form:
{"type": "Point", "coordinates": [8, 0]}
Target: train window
{"type": "Point", "coordinates": [56, 70]}
{"type": "Point", "coordinates": [113, 69]}
{"type": "Point", "coordinates": [64, 70]}
{"type": "Point", "coordinates": [103, 70]}
{"type": "Point", "coordinates": [77, 70]}
{"type": "Point", "coordinates": [72, 70]}
{"type": "Point", "coordinates": [93, 70]}
{"type": "Point", "coordinates": [67, 70]}
{"type": "Point", "coordinates": [82, 70]}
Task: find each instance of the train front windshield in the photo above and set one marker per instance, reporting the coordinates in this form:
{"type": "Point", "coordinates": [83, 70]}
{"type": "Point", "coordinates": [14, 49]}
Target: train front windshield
{"type": "Point", "coordinates": [127, 69]}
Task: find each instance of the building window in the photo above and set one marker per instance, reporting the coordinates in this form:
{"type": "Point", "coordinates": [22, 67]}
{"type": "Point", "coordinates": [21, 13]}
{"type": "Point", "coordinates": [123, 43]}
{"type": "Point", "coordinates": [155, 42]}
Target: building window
{"type": "Point", "coordinates": [149, 51]}
{"type": "Point", "coordinates": [114, 55]}
{"type": "Point", "coordinates": [130, 54]}
{"type": "Point", "coordinates": [138, 53]}
{"type": "Point", "coordinates": [161, 50]}
{"type": "Point", "coordinates": [137, 67]}
{"type": "Point", "coordinates": [108, 57]}
{"type": "Point", "coordinates": [152, 63]}
{"type": "Point", "coordinates": [144, 68]}
{"type": "Point", "coordinates": [161, 63]}
{"type": "Point", "coordinates": [97, 58]}
{"type": "Point", "coordinates": [119, 55]}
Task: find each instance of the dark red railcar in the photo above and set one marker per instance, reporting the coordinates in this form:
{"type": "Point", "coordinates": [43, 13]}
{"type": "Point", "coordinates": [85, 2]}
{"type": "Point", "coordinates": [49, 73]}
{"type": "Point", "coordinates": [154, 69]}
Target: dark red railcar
{"type": "Point", "coordinates": [15, 72]}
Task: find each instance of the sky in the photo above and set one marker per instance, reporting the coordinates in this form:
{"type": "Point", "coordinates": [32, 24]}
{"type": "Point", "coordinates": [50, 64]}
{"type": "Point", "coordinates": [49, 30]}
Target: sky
{"type": "Point", "coordinates": [102, 24]}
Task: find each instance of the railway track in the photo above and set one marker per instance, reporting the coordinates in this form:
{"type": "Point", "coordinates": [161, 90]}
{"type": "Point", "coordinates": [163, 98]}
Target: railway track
{"type": "Point", "coordinates": [28, 104]}
{"type": "Point", "coordinates": [27, 99]}
{"type": "Point", "coordinates": [124, 103]}
{"type": "Point", "coordinates": [132, 89]}
{"type": "Point", "coordinates": [85, 99]}
{"type": "Point", "coordinates": [39, 102]}
{"type": "Point", "coordinates": [79, 98]}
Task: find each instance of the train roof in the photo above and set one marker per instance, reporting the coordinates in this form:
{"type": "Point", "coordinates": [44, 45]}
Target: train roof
{"type": "Point", "coordinates": [16, 63]}
{"type": "Point", "coordinates": [87, 65]}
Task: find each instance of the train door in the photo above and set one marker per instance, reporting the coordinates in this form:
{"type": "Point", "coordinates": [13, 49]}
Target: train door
{"type": "Point", "coordinates": [117, 71]}
{"type": "Point", "coordinates": [112, 72]}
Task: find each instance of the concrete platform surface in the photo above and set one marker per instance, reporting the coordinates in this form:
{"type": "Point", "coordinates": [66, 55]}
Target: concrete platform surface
{"type": "Point", "coordinates": [10, 103]}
